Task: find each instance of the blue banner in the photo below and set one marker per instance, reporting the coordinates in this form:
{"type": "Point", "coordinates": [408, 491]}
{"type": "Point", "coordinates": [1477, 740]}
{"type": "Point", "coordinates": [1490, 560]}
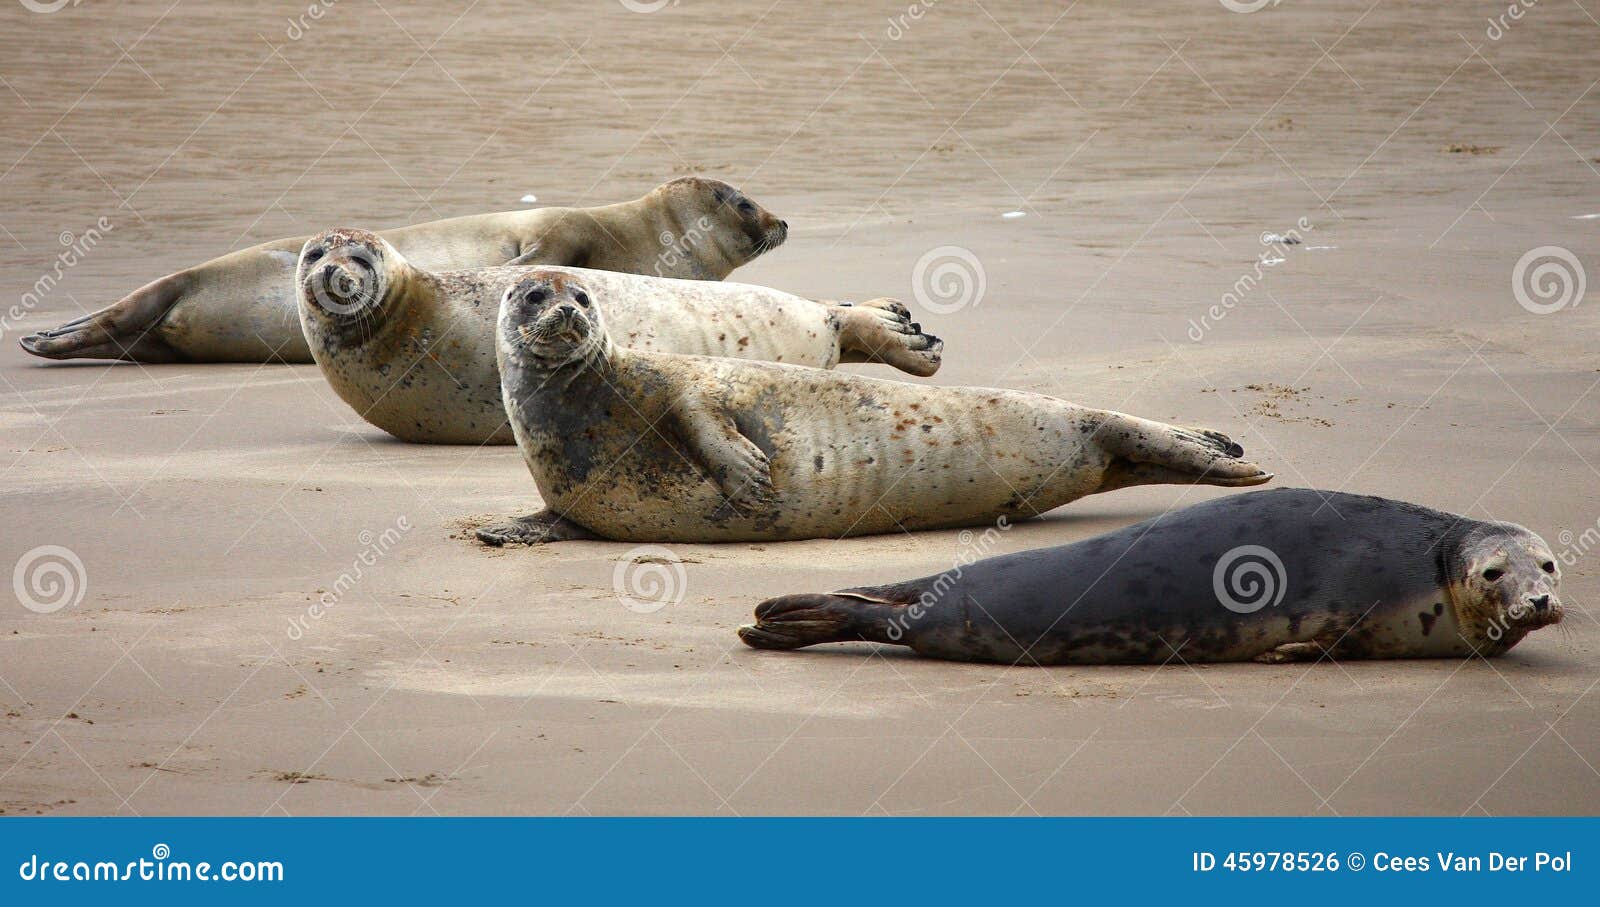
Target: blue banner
{"type": "Point", "coordinates": [796, 861]}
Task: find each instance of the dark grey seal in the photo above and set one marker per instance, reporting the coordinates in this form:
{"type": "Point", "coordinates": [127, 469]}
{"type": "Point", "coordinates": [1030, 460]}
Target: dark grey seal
{"type": "Point", "coordinates": [1291, 574]}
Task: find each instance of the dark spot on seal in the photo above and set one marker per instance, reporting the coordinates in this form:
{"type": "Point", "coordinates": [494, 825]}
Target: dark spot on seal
{"type": "Point", "coordinates": [1427, 621]}
{"type": "Point", "coordinates": [817, 462]}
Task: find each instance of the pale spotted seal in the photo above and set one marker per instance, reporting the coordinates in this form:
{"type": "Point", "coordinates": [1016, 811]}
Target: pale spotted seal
{"type": "Point", "coordinates": [1286, 575]}
{"type": "Point", "coordinates": [241, 307]}
{"type": "Point", "coordinates": [413, 351]}
{"type": "Point", "coordinates": [633, 445]}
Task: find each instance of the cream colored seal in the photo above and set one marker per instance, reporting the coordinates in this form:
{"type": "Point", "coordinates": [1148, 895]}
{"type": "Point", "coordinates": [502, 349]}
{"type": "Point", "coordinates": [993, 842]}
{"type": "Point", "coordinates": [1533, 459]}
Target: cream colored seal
{"type": "Point", "coordinates": [413, 351]}
{"type": "Point", "coordinates": [241, 307]}
{"type": "Point", "coordinates": [639, 446]}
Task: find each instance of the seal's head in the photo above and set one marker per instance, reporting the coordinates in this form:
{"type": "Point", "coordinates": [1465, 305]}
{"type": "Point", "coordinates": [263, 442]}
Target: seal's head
{"type": "Point", "coordinates": [549, 320]}
{"type": "Point", "coordinates": [712, 212]}
{"type": "Point", "coordinates": [1504, 584]}
{"type": "Point", "coordinates": [344, 277]}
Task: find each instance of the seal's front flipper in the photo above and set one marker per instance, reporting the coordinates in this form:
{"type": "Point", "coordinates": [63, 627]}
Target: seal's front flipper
{"type": "Point", "coordinates": [534, 529]}
{"type": "Point", "coordinates": [796, 621]}
{"type": "Point", "coordinates": [119, 331]}
{"type": "Point", "coordinates": [549, 251]}
{"type": "Point", "coordinates": [740, 468]}
{"type": "Point", "coordinates": [1291, 651]}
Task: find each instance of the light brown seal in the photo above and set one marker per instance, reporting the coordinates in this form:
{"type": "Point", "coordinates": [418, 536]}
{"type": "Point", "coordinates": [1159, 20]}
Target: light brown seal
{"type": "Point", "coordinates": [638, 446]}
{"type": "Point", "coordinates": [241, 307]}
{"type": "Point", "coordinates": [413, 351]}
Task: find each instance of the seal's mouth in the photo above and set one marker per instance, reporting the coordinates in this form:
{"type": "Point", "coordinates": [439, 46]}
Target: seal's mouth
{"type": "Point", "coordinates": [770, 238]}
{"type": "Point", "coordinates": [562, 326]}
{"type": "Point", "coordinates": [1538, 611]}
{"type": "Point", "coordinates": [343, 286]}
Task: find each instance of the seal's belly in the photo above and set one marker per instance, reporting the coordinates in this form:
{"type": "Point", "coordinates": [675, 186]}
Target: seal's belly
{"type": "Point", "coordinates": [1195, 629]}
{"type": "Point", "coordinates": [848, 457]}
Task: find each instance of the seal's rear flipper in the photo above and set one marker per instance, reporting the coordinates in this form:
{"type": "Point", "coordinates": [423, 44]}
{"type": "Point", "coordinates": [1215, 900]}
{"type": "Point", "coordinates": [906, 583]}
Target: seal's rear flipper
{"type": "Point", "coordinates": [796, 621]}
{"type": "Point", "coordinates": [1153, 453]}
{"type": "Point", "coordinates": [119, 331]}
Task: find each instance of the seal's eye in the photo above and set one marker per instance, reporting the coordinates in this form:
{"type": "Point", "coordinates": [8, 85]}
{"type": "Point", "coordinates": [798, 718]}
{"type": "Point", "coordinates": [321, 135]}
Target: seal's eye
{"type": "Point", "coordinates": [534, 297]}
{"type": "Point", "coordinates": [1549, 566]}
{"type": "Point", "coordinates": [1492, 574]}
{"type": "Point", "coordinates": [313, 255]}
{"type": "Point", "coordinates": [582, 298]}
{"type": "Point", "coordinates": [746, 207]}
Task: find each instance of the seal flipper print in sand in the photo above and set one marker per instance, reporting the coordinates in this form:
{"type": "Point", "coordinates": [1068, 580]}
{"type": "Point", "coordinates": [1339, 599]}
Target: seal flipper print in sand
{"type": "Point", "coordinates": [413, 351]}
{"type": "Point", "coordinates": [1286, 575]}
{"type": "Point", "coordinates": [640, 446]}
{"type": "Point", "coordinates": [241, 307]}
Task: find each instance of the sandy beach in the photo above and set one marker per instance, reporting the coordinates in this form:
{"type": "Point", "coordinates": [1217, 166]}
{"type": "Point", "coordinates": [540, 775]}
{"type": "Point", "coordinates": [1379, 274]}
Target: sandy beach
{"type": "Point", "coordinates": [1108, 172]}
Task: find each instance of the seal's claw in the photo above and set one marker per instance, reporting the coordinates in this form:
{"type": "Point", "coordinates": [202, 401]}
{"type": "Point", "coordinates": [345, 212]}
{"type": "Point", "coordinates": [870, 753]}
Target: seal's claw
{"type": "Point", "coordinates": [534, 529]}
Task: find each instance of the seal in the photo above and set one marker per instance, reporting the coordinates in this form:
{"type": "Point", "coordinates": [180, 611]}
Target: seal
{"type": "Point", "coordinates": [413, 351]}
{"type": "Point", "coordinates": [241, 307]}
{"type": "Point", "coordinates": [634, 445]}
{"type": "Point", "coordinates": [1292, 574]}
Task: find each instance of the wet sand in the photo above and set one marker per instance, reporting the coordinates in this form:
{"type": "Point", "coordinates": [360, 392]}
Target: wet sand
{"type": "Point", "coordinates": [1148, 150]}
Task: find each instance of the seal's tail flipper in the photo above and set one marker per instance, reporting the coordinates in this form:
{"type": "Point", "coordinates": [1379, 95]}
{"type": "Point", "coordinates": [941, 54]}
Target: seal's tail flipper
{"type": "Point", "coordinates": [1153, 453]}
{"type": "Point", "coordinates": [796, 621]}
{"type": "Point", "coordinates": [119, 331]}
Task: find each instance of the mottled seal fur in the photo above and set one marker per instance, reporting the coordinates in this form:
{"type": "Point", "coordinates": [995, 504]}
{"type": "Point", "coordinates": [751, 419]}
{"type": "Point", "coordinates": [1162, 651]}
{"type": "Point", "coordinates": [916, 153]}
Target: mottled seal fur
{"type": "Point", "coordinates": [640, 446]}
{"type": "Point", "coordinates": [413, 351]}
{"type": "Point", "coordinates": [1291, 574]}
{"type": "Point", "coordinates": [241, 307]}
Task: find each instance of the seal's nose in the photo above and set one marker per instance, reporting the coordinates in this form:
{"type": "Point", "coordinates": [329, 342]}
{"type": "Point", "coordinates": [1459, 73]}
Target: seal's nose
{"type": "Point", "coordinates": [1539, 602]}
